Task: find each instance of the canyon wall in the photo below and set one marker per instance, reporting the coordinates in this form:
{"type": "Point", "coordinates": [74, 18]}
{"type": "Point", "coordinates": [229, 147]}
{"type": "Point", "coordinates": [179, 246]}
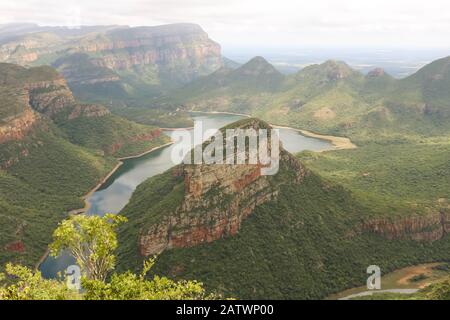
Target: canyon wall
{"type": "Point", "coordinates": [178, 51]}
{"type": "Point", "coordinates": [429, 227]}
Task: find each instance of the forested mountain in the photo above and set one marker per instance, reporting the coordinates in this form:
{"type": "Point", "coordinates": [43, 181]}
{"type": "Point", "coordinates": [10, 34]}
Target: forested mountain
{"type": "Point", "coordinates": [52, 151]}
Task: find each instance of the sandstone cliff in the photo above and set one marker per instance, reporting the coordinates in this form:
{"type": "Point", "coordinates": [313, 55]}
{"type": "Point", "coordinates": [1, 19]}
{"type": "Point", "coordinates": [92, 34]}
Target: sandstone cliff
{"type": "Point", "coordinates": [216, 200]}
{"type": "Point", "coordinates": [178, 52]}
{"type": "Point", "coordinates": [39, 95]}
{"type": "Point", "coordinates": [430, 227]}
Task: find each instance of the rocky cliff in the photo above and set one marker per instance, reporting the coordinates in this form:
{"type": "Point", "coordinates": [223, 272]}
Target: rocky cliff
{"type": "Point", "coordinates": [216, 200]}
{"type": "Point", "coordinates": [30, 94]}
{"type": "Point", "coordinates": [431, 227]}
{"type": "Point", "coordinates": [180, 52]}
{"type": "Point", "coordinates": [50, 97]}
{"type": "Point", "coordinates": [17, 128]}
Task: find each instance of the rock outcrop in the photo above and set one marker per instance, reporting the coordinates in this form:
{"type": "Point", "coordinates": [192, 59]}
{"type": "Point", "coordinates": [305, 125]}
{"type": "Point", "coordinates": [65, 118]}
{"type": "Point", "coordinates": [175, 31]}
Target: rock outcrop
{"type": "Point", "coordinates": [50, 97]}
{"type": "Point", "coordinates": [178, 51]}
{"type": "Point", "coordinates": [17, 128]}
{"type": "Point", "coordinates": [430, 227]}
{"type": "Point", "coordinates": [217, 199]}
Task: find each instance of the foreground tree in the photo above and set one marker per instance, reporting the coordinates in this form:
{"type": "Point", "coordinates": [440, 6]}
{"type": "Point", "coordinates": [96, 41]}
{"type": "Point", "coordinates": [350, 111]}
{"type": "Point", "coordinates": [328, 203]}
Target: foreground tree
{"type": "Point", "coordinates": [91, 240]}
{"type": "Point", "coordinates": [129, 286]}
{"type": "Point", "coordinates": [21, 283]}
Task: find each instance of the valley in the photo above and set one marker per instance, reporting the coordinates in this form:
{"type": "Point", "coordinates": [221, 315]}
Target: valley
{"type": "Point", "coordinates": [363, 176]}
{"type": "Point", "coordinates": [114, 194]}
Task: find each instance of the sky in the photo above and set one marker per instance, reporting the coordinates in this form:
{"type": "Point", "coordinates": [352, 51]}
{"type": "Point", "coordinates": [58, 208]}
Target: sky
{"type": "Point", "coordinates": [260, 23]}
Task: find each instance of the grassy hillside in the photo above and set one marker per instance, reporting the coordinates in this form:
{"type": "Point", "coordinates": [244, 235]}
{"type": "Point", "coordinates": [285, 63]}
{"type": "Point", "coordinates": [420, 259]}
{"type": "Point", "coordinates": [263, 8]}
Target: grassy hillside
{"type": "Point", "coordinates": [286, 249]}
{"type": "Point", "coordinates": [391, 179]}
{"type": "Point", "coordinates": [332, 98]}
{"type": "Point", "coordinates": [113, 135]}
{"type": "Point", "coordinates": [36, 192]}
{"type": "Point", "coordinates": [313, 246]}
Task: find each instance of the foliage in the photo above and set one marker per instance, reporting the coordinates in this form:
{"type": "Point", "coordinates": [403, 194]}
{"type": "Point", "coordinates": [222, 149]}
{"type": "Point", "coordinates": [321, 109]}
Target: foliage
{"type": "Point", "coordinates": [113, 135]}
{"type": "Point", "coordinates": [21, 283]}
{"type": "Point", "coordinates": [46, 181]}
{"type": "Point", "coordinates": [308, 250]}
{"type": "Point", "coordinates": [129, 286]}
{"type": "Point", "coordinates": [392, 179]}
{"type": "Point", "coordinates": [439, 291]}
{"type": "Point", "coordinates": [29, 285]}
{"type": "Point", "coordinates": [91, 240]}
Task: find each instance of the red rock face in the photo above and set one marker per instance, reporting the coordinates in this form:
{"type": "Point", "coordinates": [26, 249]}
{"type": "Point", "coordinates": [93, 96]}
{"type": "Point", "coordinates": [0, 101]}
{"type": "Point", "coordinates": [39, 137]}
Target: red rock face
{"type": "Point", "coordinates": [50, 97]}
{"type": "Point", "coordinates": [184, 49]}
{"type": "Point", "coordinates": [19, 127]}
{"type": "Point", "coordinates": [420, 228]}
{"type": "Point", "coordinates": [218, 198]}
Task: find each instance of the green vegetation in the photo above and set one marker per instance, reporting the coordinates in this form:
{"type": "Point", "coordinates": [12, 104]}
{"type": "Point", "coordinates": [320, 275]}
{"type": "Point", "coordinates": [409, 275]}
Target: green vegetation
{"type": "Point", "coordinates": [47, 179]}
{"type": "Point", "coordinates": [163, 117]}
{"type": "Point", "coordinates": [12, 80]}
{"type": "Point", "coordinates": [308, 248]}
{"type": "Point", "coordinates": [331, 98]}
{"type": "Point", "coordinates": [392, 179]}
{"type": "Point", "coordinates": [418, 278]}
{"type": "Point", "coordinates": [45, 172]}
{"type": "Point", "coordinates": [93, 240]}
{"type": "Point", "coordinates": [113, 135]}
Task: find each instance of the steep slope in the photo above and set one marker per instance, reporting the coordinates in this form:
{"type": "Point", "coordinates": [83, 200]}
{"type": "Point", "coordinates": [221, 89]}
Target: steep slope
{"type": "Point", "coordinates": [88, 125]}
{"type": "Point", "coordinates": [257, 75]}
{"type": "Point", "coordinates": [139, 61]}
{"type": "Point", "coordinates": [42, 175]}
{"type": "Point", "coordinates": [45, 164]}
{"type": "Point", "coordinates": [292, 235]}
{"type": "Point", "coordinates": [421, 101]}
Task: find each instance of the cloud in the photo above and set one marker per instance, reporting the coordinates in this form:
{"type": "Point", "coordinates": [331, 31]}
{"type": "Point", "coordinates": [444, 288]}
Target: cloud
{"type": "Point", "coordinates": [261, 22]}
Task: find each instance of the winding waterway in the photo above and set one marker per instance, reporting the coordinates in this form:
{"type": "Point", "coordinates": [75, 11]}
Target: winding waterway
{"type": "Point", "coordinates": [117, 190]}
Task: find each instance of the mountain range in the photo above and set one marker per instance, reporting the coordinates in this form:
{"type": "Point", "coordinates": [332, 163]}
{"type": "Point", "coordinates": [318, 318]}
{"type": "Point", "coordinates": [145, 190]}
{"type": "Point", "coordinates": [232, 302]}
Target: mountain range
{"type": "Point", "coordinates": [72, 101]}
{"type": "Point", "coordinates": [330, 97]}
{"type": "Point", "coordinates": [123, 67]}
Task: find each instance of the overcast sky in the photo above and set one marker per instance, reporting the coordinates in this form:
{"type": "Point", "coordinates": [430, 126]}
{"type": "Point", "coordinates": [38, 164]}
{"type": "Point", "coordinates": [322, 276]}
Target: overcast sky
{"type": "Point", "coordinates": [284, 23]}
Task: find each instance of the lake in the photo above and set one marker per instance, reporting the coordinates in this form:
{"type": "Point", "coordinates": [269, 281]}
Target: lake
{"type": "Point", "coordinates": [115, 193]}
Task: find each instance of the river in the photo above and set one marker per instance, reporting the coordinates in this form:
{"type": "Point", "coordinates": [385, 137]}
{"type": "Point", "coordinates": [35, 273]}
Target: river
{"type": "Point", "coordinates": [115, 193]}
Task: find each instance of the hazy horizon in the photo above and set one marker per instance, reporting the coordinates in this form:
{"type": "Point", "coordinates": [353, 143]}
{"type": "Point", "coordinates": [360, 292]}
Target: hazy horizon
{"type": "Point", "coordinates": [400, 36]}
{"type": "Point", "coordinates": [260, 23]}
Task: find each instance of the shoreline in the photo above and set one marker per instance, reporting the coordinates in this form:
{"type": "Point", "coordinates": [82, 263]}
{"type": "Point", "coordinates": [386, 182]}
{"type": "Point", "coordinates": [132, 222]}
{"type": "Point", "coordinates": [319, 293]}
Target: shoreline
{"type": "Point", "coordinates": [87, 204]}
{"type": "Point", "coordinates": [223, 112]}
{"type": "Point", "coordinates": [339, 143]}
